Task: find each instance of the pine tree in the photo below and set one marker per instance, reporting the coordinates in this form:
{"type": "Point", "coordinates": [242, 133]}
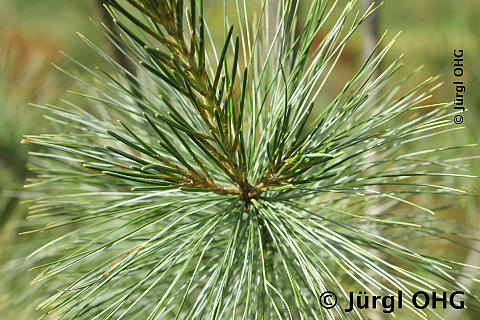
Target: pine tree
{"type": "Point", "coordinates": [217, 182]}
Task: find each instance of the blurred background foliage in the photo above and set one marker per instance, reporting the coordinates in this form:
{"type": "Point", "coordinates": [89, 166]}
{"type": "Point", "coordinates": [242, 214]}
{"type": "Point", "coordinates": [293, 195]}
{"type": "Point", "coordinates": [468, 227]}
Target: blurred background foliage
{"type": "Point", "coordinates": [32, 32]}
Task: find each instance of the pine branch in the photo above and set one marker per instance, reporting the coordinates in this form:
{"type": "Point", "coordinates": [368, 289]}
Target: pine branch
{"type": "Point", "coordinates": [226, 189]}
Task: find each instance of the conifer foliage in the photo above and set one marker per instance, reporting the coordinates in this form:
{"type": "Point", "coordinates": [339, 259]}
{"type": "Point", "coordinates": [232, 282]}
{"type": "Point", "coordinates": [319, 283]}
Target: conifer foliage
{"type": "Point", "coordinates": [217, 182]}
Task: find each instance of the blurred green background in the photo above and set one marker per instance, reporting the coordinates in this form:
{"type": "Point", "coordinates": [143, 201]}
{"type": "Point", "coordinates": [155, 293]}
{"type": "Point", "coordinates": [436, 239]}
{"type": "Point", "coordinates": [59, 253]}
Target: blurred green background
{"type": "Point", "coordinates": [32, 32]}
